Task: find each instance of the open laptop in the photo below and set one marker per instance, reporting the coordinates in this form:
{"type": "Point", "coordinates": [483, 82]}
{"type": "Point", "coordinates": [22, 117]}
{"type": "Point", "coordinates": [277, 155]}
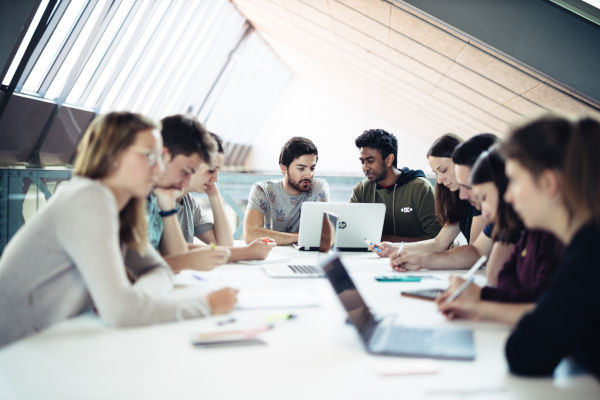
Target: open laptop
{"type": "Point", "coordinates": [357, 221]}
{"type": "Point", "coordinates": [385, 337]}
{"type": "Point", "coordinates": [327, 244]}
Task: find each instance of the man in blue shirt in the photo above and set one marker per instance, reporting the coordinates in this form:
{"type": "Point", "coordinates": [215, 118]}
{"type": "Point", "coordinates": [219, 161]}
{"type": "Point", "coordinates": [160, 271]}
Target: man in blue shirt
{"type": "Point", "coordinates": [187, 148]}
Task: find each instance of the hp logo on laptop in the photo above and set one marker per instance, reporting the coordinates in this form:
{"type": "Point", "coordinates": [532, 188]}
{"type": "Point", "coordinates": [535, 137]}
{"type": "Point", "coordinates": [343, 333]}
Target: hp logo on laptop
{"type": "Point", "coordinates": [342, 225]}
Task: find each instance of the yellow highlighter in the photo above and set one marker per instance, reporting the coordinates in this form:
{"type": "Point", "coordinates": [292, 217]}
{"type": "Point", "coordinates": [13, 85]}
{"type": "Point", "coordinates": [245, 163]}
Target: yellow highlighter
{"type": "Point", "coordinates": [213, 246]}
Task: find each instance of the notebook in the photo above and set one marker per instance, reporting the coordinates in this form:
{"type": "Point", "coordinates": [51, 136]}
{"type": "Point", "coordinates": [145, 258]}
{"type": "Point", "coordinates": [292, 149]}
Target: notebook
{"type": "Point", "coordinates": [384, 336]}
{"type": "Point", "coordinates": [327, 243]}
{"type": "Point", "coordinates": [357, 221]}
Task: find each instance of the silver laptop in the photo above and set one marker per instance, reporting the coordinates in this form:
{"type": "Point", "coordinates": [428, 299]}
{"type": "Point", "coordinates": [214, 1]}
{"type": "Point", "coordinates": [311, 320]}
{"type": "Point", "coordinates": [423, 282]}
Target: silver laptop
{"type": "Point", "coordinates": [384, 336]}
{"type": "Point", "coordinates": [357, 221]}
{"type": "Point", "coordinates": [327, 244]}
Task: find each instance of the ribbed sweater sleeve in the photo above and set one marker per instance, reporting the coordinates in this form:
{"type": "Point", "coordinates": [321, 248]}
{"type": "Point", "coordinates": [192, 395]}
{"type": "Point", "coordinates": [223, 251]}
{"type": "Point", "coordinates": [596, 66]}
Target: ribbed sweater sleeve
{"type": "Point", "coordinates": [88, 231]}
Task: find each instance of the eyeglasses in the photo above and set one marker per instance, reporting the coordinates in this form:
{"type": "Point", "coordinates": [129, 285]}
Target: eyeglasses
{"type": "Point", "coordinates": [152, 157]}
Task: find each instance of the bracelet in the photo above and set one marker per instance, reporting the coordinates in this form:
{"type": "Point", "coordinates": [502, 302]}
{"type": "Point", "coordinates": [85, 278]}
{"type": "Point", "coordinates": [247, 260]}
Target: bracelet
{"type": "Point", "coordinates": [167, 213]}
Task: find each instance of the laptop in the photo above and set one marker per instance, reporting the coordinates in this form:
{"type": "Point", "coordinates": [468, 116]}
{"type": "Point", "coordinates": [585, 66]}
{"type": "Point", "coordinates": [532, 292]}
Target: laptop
{"type": "Point", "coordinates": [327, 244]}
{"type": "Point", "coordinates": [384, 337]}
{"type": "Point", "coordinates": [357, 221]}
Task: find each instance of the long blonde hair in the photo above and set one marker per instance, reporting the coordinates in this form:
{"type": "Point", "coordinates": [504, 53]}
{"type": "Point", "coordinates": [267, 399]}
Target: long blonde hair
{"type": "Point", "coordinates": [104, 140]}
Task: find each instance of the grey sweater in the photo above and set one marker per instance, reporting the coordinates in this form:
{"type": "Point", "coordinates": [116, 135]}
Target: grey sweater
{"type": "Point", "coordinates": [68, 258]}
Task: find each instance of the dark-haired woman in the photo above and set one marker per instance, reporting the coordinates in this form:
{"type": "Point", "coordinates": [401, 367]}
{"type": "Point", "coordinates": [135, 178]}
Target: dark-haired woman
{"type": "Point", "coordinates": [454, 215]}
{"type": "Point", "coordinates": [554, 173]}
{"type": "Point", "coordinates": [529, 269]}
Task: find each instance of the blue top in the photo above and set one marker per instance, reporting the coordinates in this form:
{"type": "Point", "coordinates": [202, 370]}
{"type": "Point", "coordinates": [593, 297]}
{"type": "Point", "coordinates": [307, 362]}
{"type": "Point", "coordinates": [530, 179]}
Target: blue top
{"type": "Point", "coordinates": [155, 222]}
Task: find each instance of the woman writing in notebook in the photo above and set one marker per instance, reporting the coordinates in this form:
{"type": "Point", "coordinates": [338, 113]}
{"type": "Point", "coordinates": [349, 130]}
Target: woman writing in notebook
{"type": "Point", "coordinates": [554, 172]}
{"type": "Point", "coordinates": [529, 269]}
{"type": "Point", "coordinates": [454, 215]}
{"type": "Point", "coordinates": [76, 253]}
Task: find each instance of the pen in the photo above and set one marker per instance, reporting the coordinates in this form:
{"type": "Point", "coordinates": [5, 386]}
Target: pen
{"type": "Point", "coordinates": [226, 321]}
{"type": "Point", "coordinates": [469, 276]}
{"type": "Point", "coordinates": [460, 290]}
{"type": "Point", "coordinates": [197, 277]}
{"type": "Point", "coordinates": [213, 246]}
{"type": "Point", "coordinates": [279, 317]}
{"type": "Point", "coordinates": [370, 243]}
{"type": "Point", "coordinates": [400, 248]}
{"type": "Point", "coordinates": [475, 267]}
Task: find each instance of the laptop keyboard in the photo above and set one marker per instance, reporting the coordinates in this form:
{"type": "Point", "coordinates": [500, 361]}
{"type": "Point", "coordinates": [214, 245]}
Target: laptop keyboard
{"type": "Point", "coordinates": [416, 340]}
{"type": "Point", "coordinates": [304, 269]}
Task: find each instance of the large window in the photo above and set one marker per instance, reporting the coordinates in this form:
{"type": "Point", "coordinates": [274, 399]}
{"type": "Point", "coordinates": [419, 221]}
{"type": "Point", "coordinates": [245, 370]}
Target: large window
{"type": "Point", "coordinates": [157, 57]}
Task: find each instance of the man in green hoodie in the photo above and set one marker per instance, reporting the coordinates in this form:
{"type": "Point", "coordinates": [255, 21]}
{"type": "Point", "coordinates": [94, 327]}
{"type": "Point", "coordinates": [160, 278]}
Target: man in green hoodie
{"type": "Point", "coordinates": [407, 194]}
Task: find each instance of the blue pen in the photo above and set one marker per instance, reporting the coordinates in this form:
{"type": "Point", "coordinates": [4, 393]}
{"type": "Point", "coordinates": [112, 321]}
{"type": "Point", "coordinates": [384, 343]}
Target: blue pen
{"type": "Point", "coordinates": [198, 277]}
{"type": "Point", "coordinates": [370, 243]}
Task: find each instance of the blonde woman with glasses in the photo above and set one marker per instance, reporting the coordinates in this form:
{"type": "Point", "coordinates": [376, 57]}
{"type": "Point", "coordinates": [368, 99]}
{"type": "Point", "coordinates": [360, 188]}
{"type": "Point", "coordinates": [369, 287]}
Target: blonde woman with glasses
{"type": "Point", "coordinates": [88, 247]}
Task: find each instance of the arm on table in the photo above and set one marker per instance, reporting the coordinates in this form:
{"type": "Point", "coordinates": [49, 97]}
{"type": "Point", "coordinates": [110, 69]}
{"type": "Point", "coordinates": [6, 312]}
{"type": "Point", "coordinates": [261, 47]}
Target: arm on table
{"type": "Point", "coordinates": [254, 229]}
{"type": "Point", "coordinates": [221, 233]}
{"type": "Point", "coordinates": [461, 257]}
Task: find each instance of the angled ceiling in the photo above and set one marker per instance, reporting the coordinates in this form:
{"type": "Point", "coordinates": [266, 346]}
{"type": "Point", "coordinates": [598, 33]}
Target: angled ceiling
{"type": "Point", "coordinates": [406, 67]}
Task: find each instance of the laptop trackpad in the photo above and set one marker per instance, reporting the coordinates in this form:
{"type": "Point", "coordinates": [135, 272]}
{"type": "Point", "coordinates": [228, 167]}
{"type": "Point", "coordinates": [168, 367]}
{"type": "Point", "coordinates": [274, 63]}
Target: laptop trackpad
{"type": "Point", "coordinates": [424, 342]}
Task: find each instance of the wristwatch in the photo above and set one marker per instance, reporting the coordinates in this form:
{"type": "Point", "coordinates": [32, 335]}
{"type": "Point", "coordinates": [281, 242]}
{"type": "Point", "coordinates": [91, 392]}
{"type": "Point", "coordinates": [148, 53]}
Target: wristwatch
{"type": "Point", "coordinates": [167, 213]}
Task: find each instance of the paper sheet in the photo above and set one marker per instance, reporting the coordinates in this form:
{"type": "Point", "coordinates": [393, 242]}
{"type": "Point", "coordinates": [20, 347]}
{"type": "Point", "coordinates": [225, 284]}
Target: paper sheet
{"type": "Point", "coordinates": [275, 299]}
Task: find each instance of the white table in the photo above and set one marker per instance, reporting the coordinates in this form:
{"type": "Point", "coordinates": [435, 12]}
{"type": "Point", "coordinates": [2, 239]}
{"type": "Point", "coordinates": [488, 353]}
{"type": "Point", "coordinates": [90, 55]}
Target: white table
{"type": "Point", "coordinates": [316, 355]}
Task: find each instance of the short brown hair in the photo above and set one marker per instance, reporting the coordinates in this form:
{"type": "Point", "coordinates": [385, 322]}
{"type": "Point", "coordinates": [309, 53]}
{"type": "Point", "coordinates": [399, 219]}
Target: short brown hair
{"type": "Point", "coordinates": [184, 134]}
{"type": "Point", "coordinates": [296, 147]}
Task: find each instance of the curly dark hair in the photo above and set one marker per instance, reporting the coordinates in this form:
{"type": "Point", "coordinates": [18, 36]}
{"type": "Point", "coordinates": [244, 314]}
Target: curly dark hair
{"type": "Point", "coordinates": [381, 140]}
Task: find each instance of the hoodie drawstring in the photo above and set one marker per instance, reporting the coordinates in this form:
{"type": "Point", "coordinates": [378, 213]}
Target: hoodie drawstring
{"type": "Point", "coordinates": [393, 203]}
{"type": "Point", "coordinates": [394, 208]}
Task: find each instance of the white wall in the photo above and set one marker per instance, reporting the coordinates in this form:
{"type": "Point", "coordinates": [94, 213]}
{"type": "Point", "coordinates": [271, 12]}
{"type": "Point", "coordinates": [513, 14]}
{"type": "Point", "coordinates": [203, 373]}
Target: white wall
{"type": "Point", "coordinates": [332, 123]}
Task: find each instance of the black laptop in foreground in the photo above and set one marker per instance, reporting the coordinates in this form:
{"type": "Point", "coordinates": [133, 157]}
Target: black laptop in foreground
{"type": "Point", "coordinates": [382, 336]}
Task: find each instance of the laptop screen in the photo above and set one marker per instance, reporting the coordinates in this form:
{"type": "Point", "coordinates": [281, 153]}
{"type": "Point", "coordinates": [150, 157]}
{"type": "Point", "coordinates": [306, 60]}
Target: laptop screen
{"type": "Point", "coordinates": [328, 232]}
{"type": "Point", "coordinates": [348, 294]}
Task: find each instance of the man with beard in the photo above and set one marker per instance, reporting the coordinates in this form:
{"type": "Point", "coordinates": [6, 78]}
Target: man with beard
{"type": "Point", "coordinates": [407, 194]}
{"type": "Point", "coordinates": [274, 206]}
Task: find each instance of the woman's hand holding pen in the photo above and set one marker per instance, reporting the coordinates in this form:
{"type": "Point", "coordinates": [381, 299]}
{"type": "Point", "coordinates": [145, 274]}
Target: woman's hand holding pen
{"type": "Point", "coordinates": [472, 293]}
{"type": "Point", "coordinates": [465, 306]}
{"type": "Point", "coordinates": [460, 308]}
{"type": "Point", "coordinates": [403, 261]}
